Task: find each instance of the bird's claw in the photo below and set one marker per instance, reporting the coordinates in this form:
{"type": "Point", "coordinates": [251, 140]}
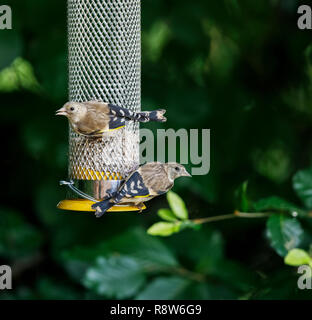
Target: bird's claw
{"type": "Point", "coordinates": [140, 207]}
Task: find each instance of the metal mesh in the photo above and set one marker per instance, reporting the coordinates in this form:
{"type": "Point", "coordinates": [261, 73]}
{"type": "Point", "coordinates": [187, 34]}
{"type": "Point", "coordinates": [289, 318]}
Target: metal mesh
{"type": "Point", "coordinates": [104, 39]}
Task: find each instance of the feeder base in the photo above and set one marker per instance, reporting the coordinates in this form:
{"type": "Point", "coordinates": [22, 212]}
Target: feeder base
{"type": "Point", "coordinates": [85, 205]}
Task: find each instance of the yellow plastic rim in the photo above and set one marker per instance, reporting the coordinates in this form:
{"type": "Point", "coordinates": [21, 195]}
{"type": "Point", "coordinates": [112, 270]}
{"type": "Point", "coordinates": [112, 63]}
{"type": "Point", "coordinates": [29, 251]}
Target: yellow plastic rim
{"type": "Point", "coordinates": [85, 205]}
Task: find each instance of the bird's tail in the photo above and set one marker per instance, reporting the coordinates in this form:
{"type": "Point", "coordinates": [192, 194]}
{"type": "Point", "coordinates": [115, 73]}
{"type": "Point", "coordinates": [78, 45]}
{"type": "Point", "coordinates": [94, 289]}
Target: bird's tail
{"type": "Point", "coordinates": [146, 116]}
{"type": "Point", "coordinates": [102, 206]}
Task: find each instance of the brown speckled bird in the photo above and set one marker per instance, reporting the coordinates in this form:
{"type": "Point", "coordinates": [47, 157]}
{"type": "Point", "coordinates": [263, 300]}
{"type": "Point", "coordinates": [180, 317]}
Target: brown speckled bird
{"type": "Point", "coordinates": [93, 118]}
{"type": "Point", "coordinates": [144, 184]}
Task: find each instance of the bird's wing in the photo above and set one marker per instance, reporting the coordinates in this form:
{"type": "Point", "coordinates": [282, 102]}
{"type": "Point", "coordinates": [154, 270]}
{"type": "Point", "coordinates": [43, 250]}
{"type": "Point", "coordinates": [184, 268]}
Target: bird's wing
{"type": "Point", "coordinates": [118, 116]}
{"type": "Point", "coordinates": [107, 116]}
{"type": "Point", "coordinates": [133, 187]}
{"type": "Point", "coordinates": [116, 123]}
{"type": "Point", "coordinates": [117, 111]}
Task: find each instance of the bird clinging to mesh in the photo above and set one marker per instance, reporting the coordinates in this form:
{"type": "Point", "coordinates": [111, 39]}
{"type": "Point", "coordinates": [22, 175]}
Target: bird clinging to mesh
{"type": "Point", "coordinates": [145, 183]}
{"type": "Point", "coordinates": [93, 118]}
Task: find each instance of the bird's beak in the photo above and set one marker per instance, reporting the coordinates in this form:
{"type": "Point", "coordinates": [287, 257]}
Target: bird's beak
{"type": "Point", "coordinates": [61, 112]}
{"type": "Point", "coordinates": [186, 174]}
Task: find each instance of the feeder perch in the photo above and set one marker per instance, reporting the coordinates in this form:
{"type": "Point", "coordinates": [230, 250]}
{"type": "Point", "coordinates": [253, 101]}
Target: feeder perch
{"type": "Point", "coordinates": [104, 43]}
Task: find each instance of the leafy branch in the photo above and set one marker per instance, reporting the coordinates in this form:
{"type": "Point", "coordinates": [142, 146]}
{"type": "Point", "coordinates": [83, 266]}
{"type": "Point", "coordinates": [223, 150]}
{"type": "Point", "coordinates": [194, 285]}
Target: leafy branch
{"type": "Point", "coordinates": [177, 217]}
{"type": "Point", "coordinates": [283, 227]}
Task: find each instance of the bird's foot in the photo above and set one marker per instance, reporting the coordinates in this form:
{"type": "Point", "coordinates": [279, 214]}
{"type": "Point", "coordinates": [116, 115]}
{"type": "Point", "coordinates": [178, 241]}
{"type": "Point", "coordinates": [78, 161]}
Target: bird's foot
{"type": "Point", "coordinates": [140, 206]}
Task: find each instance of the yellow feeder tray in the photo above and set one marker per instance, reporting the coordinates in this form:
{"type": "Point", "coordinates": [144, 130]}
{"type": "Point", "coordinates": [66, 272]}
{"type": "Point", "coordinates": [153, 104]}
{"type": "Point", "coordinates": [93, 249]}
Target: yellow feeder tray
{"type": "Point", "coordinates": [85, 205]}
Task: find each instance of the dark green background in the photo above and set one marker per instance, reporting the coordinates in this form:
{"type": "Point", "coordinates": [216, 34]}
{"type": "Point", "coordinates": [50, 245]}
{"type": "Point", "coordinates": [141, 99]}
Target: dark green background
{"type": "Point", "coordinates": [242, 69]}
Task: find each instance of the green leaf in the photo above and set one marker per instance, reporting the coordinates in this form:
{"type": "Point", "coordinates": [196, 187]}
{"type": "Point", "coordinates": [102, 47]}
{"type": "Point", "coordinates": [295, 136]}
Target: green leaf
{"type": "Point", "coordinates": [233, 274]}
{"type": "Point", "coordinates": [166, 214]}
{"type": "Point", "coordinates": [200, 249]}
{"type": "Point", "coordinates": [155, 39]}
{"type": "Point", "coordinates": [17, 237]}
{"type": "Point", "coordinates": [297, 257]}
{"type": "Point", "coordinates": [302, 184]}
{"type": "Point", "coordinates": [242, 199]}
{"type": "Point", "coordinates": [164, 228]}
{"type": "Point", "coordinates": [148, 251]}
{"type": "Point", "coordinates": [177, 205]}
{"type": "Point", "coordinates": [277, 203]}
{"type": "Point", "coordinates": [78, 260]}
{"type": "Point", "coordinates": [284, 233]}
{"type": "Point", "coordinates": [18, 75]}
{"type": "Point", "coordinates": [166, 288]}
{"type": "Point", "coordinates": [10, 47]}
{"type": "Point", "coordinates": [51, 289]}
{"type": "Point", "coordinates": [115, 277]}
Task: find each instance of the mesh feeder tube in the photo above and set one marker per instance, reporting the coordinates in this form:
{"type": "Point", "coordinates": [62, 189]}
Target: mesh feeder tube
{"type": "Point", "coordinates": [104, 50]}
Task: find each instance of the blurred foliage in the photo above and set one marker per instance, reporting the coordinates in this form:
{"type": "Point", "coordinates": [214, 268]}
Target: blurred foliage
{"type": "Point", "coordinates": [242, 69]}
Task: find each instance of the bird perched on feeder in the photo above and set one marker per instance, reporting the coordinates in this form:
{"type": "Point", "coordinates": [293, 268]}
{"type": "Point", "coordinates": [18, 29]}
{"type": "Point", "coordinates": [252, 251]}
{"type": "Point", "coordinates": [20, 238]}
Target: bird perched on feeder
{"type": "Point", "coordinates": [93, 118]}
{"type": "Point", "coordinates": [143, 184]}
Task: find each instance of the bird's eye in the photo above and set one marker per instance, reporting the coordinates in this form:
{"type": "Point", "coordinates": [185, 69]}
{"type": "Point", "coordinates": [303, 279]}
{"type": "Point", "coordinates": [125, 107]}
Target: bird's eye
{"type": "Point", "coordinates": [177, 169]}
{"type": "Point", "coordinates": [72, 108]}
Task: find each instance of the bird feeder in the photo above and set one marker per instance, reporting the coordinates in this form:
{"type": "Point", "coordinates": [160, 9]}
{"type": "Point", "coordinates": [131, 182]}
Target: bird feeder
{"type": "Point", "coordinates": [104, 43]}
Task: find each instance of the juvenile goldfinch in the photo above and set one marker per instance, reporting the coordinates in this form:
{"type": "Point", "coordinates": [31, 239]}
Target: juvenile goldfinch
{"type": "Point", "coordinates": [145, 183]}
{"type": "Point", "coordinates": [93, 118]}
